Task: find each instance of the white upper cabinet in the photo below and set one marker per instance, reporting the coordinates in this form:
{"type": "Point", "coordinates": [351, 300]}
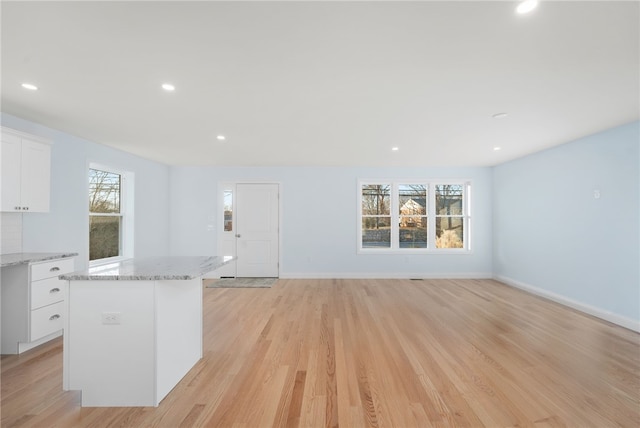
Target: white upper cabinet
{"type": "Point", "coordinates": [26, 172]}
{"type": "Point", "coordinates": [36, 175]}
{"type": "Point", "coordinates": [11, 155]}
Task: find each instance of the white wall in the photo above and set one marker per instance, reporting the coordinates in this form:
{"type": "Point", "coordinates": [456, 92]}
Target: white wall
{"type": "Point", "coordinates": [66, 227]}
{"type": "Point", "coordinates": [10, 233]}
{"type": "Point", "coordinates": [536, 224]}
{"type": "Point", "coordinates": [319, 219]}
{"type": "Point", "coordinates": [553, 237]}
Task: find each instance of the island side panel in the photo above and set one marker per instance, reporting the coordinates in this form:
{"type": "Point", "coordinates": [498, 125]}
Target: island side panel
{"type": "Point", "coordinates": [15, 307]}
{"type": "Point", "coordinates": [178, 329]}
{"type": "Point", "coordinates": [111, 342]}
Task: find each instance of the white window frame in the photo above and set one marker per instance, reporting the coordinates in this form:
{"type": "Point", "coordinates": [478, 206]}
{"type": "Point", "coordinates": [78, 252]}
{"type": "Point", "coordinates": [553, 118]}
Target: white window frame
{"type": "Point", "coordinates": [431, 217]}
{"type": "Point", "coordinates": [226, 239]}
{"type": "Point", "coordinates": [126, 214]}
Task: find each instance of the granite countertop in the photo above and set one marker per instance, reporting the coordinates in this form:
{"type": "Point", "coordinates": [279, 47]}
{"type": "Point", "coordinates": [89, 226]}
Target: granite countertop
{"type": "Point", "coordinates": [151, 269]}
{"type": "Point", "coordinates": [15, 259]}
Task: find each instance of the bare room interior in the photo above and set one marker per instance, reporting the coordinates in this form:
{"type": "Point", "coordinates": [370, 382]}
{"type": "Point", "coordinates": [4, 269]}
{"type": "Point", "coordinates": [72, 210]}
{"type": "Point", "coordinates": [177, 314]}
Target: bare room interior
{"type": "Point", "coordinates": [320, 213]}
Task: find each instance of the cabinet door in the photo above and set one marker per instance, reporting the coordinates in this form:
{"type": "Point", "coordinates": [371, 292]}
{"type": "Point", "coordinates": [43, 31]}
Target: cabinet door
{"type": "Point", "coordinates": [10, 155]}
{"type": "Point", "coordinates": [35, 176]}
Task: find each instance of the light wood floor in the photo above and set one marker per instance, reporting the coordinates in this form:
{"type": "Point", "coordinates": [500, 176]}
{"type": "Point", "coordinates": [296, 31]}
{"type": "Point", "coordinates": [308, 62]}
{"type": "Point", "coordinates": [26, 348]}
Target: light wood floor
{"type": "Point", "coordinates": [387, 353]}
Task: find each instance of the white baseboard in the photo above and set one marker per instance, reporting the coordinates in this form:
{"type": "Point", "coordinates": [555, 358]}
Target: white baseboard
{"type": "Point", "coordinates": [385, 275]}
{"type": "Point", "coordinates": [25, 346]}
{"type": "Point", "coordinates": [558, 298]}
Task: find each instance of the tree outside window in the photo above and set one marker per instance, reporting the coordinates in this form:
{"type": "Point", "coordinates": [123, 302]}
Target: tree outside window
{"type": "Point", "coordinates": [449, 216]}
{"type": "Point", "coordinates": [376, 216]}
{"type": "Point", "coordinates": [105, 214]}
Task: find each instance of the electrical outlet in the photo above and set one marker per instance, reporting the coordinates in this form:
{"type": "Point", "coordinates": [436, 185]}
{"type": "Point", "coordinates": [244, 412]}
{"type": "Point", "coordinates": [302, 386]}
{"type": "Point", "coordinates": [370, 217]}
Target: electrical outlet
{"type": "Point", "coordinates": [111, 318]}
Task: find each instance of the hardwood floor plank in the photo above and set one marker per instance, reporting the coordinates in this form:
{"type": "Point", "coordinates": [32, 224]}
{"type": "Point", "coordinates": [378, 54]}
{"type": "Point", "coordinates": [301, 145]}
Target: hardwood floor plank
{"type": "Point", "coordinates": [369, 353]}
{"type": "Point", "coordinates": [295, 405]}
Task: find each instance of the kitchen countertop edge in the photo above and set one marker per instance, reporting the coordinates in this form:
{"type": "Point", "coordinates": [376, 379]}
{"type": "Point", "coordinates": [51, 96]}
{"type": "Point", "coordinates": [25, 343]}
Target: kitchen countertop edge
{"type": "Point", "coordinates": [16, 259]}
{"type": "Point", "coordinates": [151, 269]}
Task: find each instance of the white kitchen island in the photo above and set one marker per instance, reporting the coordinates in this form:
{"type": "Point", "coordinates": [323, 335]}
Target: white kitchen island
{"type": "Point", "coordinates": [134, 328]}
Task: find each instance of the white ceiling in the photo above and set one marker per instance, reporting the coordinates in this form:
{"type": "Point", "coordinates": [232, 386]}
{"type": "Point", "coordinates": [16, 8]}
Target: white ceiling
{"type": "Point", "coordinates": [323, 83]}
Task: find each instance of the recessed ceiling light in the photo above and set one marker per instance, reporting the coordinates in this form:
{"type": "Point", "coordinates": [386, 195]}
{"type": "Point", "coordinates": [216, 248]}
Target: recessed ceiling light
{"type": "Point", "coordinates": [527, 6]}
{"type": "Point", "coordinates": [168, 87]}
{"type": "Point", "coordinates": [221, 137]}
{"type": "Point", "coordinates": [395, 149]}
{"type": "Point", "coordinates": [496, 149]}
{"type": "Point", "coordinates": [499, 115]}
{"type": "Point", "coordinates": [30, 86]}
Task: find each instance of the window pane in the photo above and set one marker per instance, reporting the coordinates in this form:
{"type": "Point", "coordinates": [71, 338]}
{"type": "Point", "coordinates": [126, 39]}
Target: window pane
{"type": "Point", "coordinates": [228, 210]}
{"type": "Point", "coordinates": [413, 232]}
{"type": "Point", "coordinates": [104, 191]}
{"type": "Point", "coordinates": [104, 236]}
{"type": "Point", "coordinates": [413, 199]}
{"type": "Point", "coordinates": [449, 232]}
{"type": "Point", "coordinates": [376, 199]}
{"type": "Point", "coordinates": [376, 232]}
{"type": "Point", "coordinates": [449, 199]}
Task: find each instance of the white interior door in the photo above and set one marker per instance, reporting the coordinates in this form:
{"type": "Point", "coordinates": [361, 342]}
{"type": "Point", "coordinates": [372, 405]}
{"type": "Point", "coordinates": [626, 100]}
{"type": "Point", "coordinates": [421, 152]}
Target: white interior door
{"type": "Point", "coordinates": [257, 222]}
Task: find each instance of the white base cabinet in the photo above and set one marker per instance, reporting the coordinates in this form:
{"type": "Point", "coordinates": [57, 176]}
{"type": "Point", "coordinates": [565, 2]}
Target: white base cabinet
{"type": "Point", "coordinates": [33, 303]}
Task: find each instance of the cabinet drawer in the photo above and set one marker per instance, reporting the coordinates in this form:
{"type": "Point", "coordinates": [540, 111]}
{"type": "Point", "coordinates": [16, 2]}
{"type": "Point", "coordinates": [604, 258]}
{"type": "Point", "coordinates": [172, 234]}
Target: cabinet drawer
{"type": "Point", "coordinates": [47, 320]}
{"type": "Point", "coordinates": [51, 269]}
{"type": "Point", "coordinates": [47, 291]}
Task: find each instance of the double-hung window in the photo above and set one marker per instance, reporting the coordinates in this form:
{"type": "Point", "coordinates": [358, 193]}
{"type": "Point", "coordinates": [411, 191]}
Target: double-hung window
{"type": "Point", "coordinates": [376, 215]}
{"type": "Point", "coordinates": [414, 216]}
{"type": "Point", "coordinates": [449, 215]}
{"type": "Point", "coordinates": [110, 219]}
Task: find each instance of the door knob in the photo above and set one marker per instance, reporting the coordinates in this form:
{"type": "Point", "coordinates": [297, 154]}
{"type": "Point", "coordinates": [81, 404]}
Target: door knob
{"type": "Point", "coordinates": [238, 235]}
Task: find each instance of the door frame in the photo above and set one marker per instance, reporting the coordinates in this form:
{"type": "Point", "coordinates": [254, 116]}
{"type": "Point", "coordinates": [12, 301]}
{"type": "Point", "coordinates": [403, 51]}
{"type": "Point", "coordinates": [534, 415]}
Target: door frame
{"type": "Point", "coordinates": [232, 185]}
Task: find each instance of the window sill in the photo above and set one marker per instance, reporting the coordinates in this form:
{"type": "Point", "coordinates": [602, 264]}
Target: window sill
{"type": "Point", "coordinates": [107, 261]}
{"type": "Point", "coordinates": [411, 251]}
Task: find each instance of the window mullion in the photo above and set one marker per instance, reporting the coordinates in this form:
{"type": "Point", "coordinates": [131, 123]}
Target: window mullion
{"type": "Point", "coordinates": [466, 204]}
{"type": "Point", "coordinates": [395, 230]}
{"type": "Point", "coordinates": [360, 215]}
{"type": "Point", "coordinates": [431, 219]}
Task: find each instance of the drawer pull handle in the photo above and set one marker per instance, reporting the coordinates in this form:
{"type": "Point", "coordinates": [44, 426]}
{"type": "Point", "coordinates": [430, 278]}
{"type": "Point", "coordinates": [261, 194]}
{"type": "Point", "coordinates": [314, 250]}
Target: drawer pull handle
{"type": "Point", "coordinates": [54, 269]}
{"type": "Point", "coordinates": [54, 290]}
{"type": "Point", "coordinates": [54, 317]}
